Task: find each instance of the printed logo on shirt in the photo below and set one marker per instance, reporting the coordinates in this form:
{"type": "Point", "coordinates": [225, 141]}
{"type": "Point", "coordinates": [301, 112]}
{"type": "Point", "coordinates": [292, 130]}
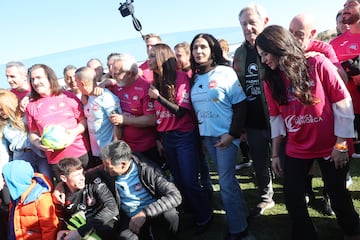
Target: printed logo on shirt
{"type": "Point", "coordinates": [150, 107]}
{"type": "Point", "coordinates": [96, 107]}
{"type": "Point", "coordinates": [68, 205]}
{"type": "Point", "coordinates": [91, 201]}
{"type": "Point", "coordinates": [135, 98]}
{"type": "Point", "coordinates": [97, 180]}
{"type": "Point", "coordinates": [252, 89]}
{"type": "Point", "coordinates": [354, 48]}
{"type": "Point", "coordinates": [81, 206]}
{"type": "Point", "coordinates": [164, 114]}
{"type": "Point", "coordinates": [293, 123]}
{"type": "Point", "coordinates": [253, 69]}
{"type": "Point", "coordinates": [138, 187]}
{"type": "Point", "coordinates": [311, 82]}
{"type": "Point", "coordinates": [52, 107]}
{"type": "Point", "coordinates": [61, 104]}
{"type": "Point", "coordinates": [343, 43]}
{"type": "Point", "coordinates": [208, 114]}
{"type": "Point", "coordinates": [212, 84]}
{"type": "Point", "coordinates": [290, 93]}
{"type": "Point", "coordinates": [186, 95]}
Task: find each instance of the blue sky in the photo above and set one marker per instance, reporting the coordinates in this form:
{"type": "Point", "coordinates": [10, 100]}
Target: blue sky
{"type": "Point", "coordinates": [38, 27]}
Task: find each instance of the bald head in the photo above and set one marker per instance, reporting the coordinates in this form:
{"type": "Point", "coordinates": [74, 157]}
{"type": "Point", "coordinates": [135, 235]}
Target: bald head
{"type": "Point", "coordinates": [302, 26]}
{"type": "Point", "coordinates": [85, 79]}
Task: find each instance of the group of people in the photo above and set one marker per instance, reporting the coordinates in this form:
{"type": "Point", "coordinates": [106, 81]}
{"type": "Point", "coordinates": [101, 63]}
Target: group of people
{"type": "Point", "coordinates": [290, 98]}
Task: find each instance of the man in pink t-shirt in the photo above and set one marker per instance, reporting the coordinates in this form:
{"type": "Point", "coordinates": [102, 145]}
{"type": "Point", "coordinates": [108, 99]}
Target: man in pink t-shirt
{"type": "Point", "coordinates": [51, 105]}
{"type": "Point", "coordinates": [138, 117]}
{"type": "Point", "coordinates": [16, 75]}
{"type": "Point", "coordinates": [302, 26]}
{"type": "Point", "coordinates": [347, 49]}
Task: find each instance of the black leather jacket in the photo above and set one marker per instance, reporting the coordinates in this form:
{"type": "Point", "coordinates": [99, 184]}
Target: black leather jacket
{"type": "Point", "coordinates": [153, 180]}
{"type": "Point", "coordinates": [95, 200]}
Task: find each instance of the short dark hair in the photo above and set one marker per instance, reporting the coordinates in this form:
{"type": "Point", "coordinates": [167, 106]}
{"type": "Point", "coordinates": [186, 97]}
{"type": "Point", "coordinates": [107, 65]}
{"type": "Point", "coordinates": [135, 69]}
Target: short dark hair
{"type": "Point", "coordinates": [116, 152]}
{"type": "Point", "coordinates": [67, 165]}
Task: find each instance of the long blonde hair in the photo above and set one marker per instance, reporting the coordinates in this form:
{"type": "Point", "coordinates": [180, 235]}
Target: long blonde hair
{"type": "Point", "coordinates": [10, 106]}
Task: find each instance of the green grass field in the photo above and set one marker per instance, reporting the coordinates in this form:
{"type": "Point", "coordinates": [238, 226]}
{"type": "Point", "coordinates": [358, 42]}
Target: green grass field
{"type": "Point", "coordinates": [275, 224]}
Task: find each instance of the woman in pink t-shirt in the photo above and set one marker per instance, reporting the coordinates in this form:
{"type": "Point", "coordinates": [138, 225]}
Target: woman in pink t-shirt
{"type": "Point", "coordinates": [50, 105]}
{"type": "Point", "coordinates": [309, 103]}
{"type": "Point", "coordinates": [177, 127]}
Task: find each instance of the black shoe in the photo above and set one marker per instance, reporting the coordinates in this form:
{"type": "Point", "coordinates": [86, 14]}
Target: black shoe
{"type": "Point", "coordinates": [237, 236]}
{"type": "Point", "coordinates": [200, 229]}
{"type": "Point", "coordinates": [327, 207]}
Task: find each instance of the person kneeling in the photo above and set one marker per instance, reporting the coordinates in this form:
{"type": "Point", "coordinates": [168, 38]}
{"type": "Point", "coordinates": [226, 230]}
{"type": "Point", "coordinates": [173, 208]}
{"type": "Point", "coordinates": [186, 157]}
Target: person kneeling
{"type": "Point", "coordinates": [88, 209]}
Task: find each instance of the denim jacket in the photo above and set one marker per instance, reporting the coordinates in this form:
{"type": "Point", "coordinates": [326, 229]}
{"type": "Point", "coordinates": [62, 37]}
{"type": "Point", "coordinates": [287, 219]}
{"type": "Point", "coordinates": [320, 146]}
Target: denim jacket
{"type": "Point", "coordinates": [17, 143]}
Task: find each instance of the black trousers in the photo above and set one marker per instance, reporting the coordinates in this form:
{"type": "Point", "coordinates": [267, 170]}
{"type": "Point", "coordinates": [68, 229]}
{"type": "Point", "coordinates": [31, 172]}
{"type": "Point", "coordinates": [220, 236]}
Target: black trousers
{"type": "Point", "coordinates": [295, 175]}
{"type": "Point", "coordinates": [4, 212]}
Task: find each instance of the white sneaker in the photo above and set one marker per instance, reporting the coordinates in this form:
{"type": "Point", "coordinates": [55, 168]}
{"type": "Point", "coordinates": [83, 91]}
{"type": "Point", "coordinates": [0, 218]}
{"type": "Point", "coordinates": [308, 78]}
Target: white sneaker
{"type": "Point", "coordinates": [260, 208]}
{"type": "Point", "coordinates": [349, 182]}
{"type": "Point", "coordinates": [355, 155]}
{"type": "Point", "coordinates": [243, 165]}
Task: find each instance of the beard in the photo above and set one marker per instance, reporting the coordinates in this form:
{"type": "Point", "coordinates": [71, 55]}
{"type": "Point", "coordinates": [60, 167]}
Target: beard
{"type": "Point", "coordinates": [354, 18]}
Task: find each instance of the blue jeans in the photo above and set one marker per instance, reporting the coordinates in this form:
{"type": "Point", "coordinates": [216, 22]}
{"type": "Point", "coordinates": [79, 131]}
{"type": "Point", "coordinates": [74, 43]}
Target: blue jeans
{"type": "Point", "coordinates": [231, 194]}
{"type": "Point", "coordinates": [182, 149]}
{"type": "Point", "coordinates": [259, 142]}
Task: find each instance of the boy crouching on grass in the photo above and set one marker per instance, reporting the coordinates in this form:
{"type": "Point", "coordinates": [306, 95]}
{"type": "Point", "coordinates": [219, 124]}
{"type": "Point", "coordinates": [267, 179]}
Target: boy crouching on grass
{"type": "Point", "coordinates": [87, 209]}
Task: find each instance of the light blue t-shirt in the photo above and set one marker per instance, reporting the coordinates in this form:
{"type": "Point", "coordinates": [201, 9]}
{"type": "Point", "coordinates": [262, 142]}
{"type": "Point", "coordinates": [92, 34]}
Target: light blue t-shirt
{"type": "Point", "coordinates": [133, 195]}
{"type": "Point", "coordinates": [212, 96]}
{"type": "Point", "coordinates": [97, 111]}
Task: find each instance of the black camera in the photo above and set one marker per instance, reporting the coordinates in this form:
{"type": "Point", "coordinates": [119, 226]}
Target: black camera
{"type": "Point", "coordinates": [126, 8]}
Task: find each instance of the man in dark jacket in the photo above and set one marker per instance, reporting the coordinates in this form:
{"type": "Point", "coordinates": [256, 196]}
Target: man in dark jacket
{"type": "Point", "coordinates": [143, 194]}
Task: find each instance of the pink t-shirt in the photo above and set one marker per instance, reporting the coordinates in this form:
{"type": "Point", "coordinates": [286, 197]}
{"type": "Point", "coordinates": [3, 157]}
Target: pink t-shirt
{"type": "Point", "coordinates": [65, 110]}
{"type": "Point", "coordinates": [167, 121]}
{"type": "Point", "coordinates": [310, 129]}
{"type": "Point", "coordinates": [324, 48]}
{"type": "Point", "coordinates": [21, 94]}
{"type": "Point", "coordinates": [147, 74]}
{"type": "Point", "coordinates": [134, 102]}
{"type": "Point", "coordinates": [347, 46]}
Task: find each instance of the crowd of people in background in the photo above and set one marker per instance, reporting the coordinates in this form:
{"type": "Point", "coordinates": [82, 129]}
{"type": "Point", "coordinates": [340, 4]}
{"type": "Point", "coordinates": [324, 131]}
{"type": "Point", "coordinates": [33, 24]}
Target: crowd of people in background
{"type": "Point", "coordinates": [137, 139]}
